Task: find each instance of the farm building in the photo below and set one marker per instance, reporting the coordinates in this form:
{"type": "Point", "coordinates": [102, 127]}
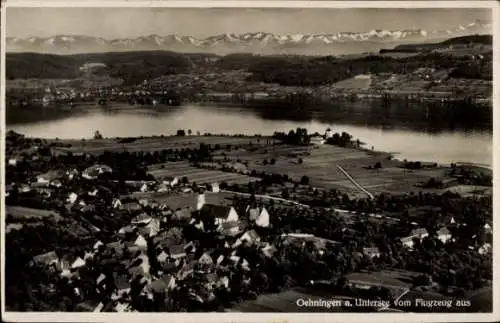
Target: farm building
{"type": "Point", "coordinates": [444, 234]}
{"type": "Point", "coordinates": [94, 171]}
{"type": "Point", "coordinates": [87, 67]}
{"type": "Point", "coordinates": [259, 215]}
{"type": "Point", "coordinates": [225, 217]}
{"type": "Point", "coordinates": [170, 180]}
{"type": "Point", "coordinates": [50, 176]}
{"type": "Point", "coordinates": [419, 234]}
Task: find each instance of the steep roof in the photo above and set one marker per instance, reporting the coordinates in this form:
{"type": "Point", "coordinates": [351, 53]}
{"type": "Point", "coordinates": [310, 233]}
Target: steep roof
{"type": "Point", "coordinates": [215, 211]}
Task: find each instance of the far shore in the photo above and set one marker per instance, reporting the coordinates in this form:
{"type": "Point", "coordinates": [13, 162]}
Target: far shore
{"type": "Point", "coordinates": [196, 138]}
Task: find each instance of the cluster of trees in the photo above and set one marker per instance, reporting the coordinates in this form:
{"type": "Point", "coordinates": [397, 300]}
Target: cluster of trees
{"type": "Point", "coordinates": [132, 67]}
{"type": "Point", "coordinates": [298, 137]}
{"type": "Point", "coordinates": [471, 177]}
{"type": "Point", "coordinates": [343, 140]}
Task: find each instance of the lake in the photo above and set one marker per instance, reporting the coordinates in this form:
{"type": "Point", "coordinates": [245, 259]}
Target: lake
{"type": "Point", "coordinates": [412, 141]}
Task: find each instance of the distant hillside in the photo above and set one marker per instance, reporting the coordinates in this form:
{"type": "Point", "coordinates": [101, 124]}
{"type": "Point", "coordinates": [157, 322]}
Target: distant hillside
{"type": "Point", "coordinates": [473, 62]}
{"type": "Point", "coordinates": [132, 67]}
{"type": "Point", "coordinates": [465, 40]}
{"type": "Point", "coordinates": [472, 39]}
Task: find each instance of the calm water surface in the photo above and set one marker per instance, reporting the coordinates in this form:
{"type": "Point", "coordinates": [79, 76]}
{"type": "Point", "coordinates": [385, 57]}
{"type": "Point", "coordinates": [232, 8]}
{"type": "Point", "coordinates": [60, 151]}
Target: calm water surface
{"type": "Point", "coordinates": [412, 144]}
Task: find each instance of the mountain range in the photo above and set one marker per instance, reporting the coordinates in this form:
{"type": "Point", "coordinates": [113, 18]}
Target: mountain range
{"type": "Point", "coordinates": [257, 42]}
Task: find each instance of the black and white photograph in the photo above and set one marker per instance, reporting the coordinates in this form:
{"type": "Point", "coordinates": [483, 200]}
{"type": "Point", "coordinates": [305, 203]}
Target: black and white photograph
{"type": "Point", "coordinates": [247, 159]}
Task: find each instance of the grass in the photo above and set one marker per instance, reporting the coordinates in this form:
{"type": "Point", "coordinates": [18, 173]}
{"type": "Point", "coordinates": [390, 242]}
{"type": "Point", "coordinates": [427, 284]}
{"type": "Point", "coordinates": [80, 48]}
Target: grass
{"type": "Point", "coordinates": [389, 278]}
{"type": "Point", "coordinates": [151, 144]}
{"type": "Point", "coordinates": [320, 165]}
{"type": "Point", "coordinates": [198, 175]}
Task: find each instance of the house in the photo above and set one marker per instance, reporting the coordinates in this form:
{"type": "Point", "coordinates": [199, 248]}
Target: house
{"type": "Point", "coordinates": [142, 218]}
{"type": "Point", "coordinates": [262, 218]}
{"type": "Point", "coordinates": [225, 217]}
{"type": "Point", "coordinates": [407, 242]}
{"type": "Point", "coordinates": [317, 140]}
{"type": "Point", "coordinates": [182, 214]}
{"type": "Point", "coordinates": [249, 237]}
{"type": "Point", "coordinates": [24, 188]}
{"type": "Point", "coordinates": [444, 234]}
{"type": "Point", "coordinates": [131, 206]}
{"type": "Point", "coordinates": [141, 242]}
{"type": "Point", "coordinates": [223, 282]}
{"type": "Point", "coordinates": [72, 198]}
{"type": "Point", "coordinates": [169, 180]}
{"type": "Point", "coordinates": [50, 176]}
{"type": "Point", "coordinates": [177, 251]}
{"type": "Point", "coordinates": [97, 245]}
{"type": "Point", "coordinates": [116, 203]}
{"type": "Point", "coordinates": [71, 261]}
{"type": "Point", "coordinates": [214, 187]}
{"type": "Point", "coordinates": [328, 133]}
{"type": "Point", "coordinates": [150, 229]}
{"type": "Point", "coordinates": [484, 249]}
{"type": "Point", "coordinates": [56, 183]}
{"type": "Point", "coordinates": [200, 201]}
{"type": "Point", "coordinates": [371, 252]}
{"type": "Point", "coordinates": [47, 259]}
{"type": "Point", "coordinates": [164, 284]}
{"type": "Point", "coordinates": [163, 188]}
{"type": "Point", "coordinates": [12, 161]}
{"type": "Point", "coordinates": [237, 260]}
{"type": "Point", "coordinates": [269, 250]}
{"type": "Point", "coordinates": [419, 234]}
{"type": "Point", "coordinates": [122, 285]}
{"type": "Point", "coordinates": [205, 263]}
{"type": "Point", "coordinates": [488, 229]}
{"type": "Point", "coordinates": [94, 171]}
{"type": "Point", "coordinates": [72, 173]}
{"type": "Point", "coordinates": [162, 257]}
{"type": "Point", "coordinates": [117, 248]}
{"type": "Point", "coordinates": [144, 187]}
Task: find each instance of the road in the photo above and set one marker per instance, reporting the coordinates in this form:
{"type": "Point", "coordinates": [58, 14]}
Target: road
{"type": "Point", "coordinates": [349, 177]}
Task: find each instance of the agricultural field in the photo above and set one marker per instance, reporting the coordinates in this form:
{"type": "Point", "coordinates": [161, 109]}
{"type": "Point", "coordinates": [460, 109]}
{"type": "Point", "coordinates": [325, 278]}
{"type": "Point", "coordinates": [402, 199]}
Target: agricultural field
{"type": "Point", "coordinates": [153, 143]}
{"type": "Point", "coordinates": [320, 163]}
{"type": "Point", "coordinates": [357, 82]}
{"type": "Point", "coordinates": [198, 175]}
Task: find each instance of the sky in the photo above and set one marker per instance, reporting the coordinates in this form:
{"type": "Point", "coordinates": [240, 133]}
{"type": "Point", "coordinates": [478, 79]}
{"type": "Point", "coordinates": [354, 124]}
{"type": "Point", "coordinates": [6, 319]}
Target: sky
{"type": "Point", "coordinates": [203, 22]}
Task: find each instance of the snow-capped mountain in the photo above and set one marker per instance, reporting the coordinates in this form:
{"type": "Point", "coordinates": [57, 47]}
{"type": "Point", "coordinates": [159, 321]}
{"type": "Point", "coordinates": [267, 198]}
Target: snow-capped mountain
{"type": "Point", "coordinates": [257, 42]}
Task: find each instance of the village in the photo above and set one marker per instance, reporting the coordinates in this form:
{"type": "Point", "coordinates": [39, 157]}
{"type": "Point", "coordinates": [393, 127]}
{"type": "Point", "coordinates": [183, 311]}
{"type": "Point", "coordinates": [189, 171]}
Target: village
{"type": "Point", "coordinates": [105, 229]}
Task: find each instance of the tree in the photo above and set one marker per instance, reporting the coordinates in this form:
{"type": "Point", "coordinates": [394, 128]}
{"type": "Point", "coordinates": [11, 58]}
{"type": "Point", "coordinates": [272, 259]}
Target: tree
{"type": "Point", "coordinates": [181, 132]}
{"type": "Point", "coordinates": [378, 165]}
{"type": "Point", "coordinates": [304, 180]}
{"type": "Point", "coordinates": [300, 161]}
{"type": "Point", "coordinates": [97, 135]}
{"type": "Point", "coordinates": [189, 132]}
{"type": "Point", "coordinates": [273, 161]}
